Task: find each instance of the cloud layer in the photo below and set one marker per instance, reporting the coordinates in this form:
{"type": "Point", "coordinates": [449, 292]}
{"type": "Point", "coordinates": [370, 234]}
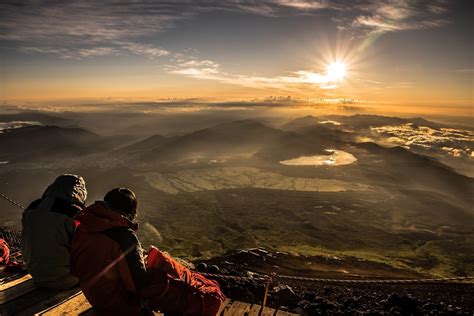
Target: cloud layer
{"type": "Point", "coordinates": [454, 142]}
{"type": "Point", "coordinates": [80, 29]}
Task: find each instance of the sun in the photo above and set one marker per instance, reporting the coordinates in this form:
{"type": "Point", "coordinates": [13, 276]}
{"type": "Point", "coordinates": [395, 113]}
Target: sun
{"type": "Point", "coordinates": [336, 71]}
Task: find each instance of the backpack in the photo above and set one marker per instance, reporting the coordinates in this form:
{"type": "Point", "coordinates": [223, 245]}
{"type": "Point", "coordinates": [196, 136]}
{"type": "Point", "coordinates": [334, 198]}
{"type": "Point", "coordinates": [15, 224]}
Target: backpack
{"type": "Point", "coordinates": [4, 252]}
{"type": "Point", "coordinates": [184, 292]}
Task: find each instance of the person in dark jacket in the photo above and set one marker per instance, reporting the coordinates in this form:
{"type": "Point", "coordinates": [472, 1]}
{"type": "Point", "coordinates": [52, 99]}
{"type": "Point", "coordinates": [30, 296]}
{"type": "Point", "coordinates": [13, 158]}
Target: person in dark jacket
{"type": "Point", "coordinates": [47, 230]}
{"type": "Point", "coordinates": [107, 256]}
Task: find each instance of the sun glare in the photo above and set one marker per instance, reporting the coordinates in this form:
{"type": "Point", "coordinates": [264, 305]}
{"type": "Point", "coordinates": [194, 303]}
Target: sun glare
{"type": "Point", "coordinates": [336, 71]}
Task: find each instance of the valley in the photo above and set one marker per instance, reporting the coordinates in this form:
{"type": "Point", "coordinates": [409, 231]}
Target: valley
{"type": "Point", "coordinates": [225, 188]}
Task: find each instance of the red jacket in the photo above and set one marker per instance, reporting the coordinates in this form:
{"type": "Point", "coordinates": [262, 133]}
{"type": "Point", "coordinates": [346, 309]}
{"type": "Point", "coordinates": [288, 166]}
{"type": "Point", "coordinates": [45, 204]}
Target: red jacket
{"type": "Point", "coordinates": [107, 258]}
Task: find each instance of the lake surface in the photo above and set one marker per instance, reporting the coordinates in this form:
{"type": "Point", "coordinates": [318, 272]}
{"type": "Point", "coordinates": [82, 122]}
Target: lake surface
{"type": "Point", "coordinates": [335, 158]}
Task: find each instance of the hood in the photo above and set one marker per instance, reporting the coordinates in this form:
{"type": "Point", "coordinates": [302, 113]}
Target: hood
{"type": "Point", "coordinates": [67, 187]}
{"type": "Point", "coordinates": [99, 217]}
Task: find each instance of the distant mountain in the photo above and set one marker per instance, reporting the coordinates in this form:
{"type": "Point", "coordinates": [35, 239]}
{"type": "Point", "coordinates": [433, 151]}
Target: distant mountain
{"type": "Point", "coordinates": [149, 143]}
{"type": "Point", "coordinates": [301, 123]}
{"type": "Point", "coordinates": [43, 118]}
{"type": "Point", "coordinates": [244, 139]}
{"type": "Point", "coordinates": [327, 133]}
{"type": "Point", "coordinates": [46, 142]}
{"type": "Point", "coordinates": [226, 139]}
{"type": "Point", "coordinates": [412, 170]}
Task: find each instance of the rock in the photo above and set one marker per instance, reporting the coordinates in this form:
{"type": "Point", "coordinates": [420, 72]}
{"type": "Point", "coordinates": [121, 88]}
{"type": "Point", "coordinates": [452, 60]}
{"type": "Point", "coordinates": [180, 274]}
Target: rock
{"type": "Point", "coordinates": [285, 295]}
{"type": "Point", "coordinates": [201, 267]}
{"type": "Point", "coordinates": [395, 310]}
{"type": "Point", "coordinates": [324, 307]}
{"type": "Point", "coordinates": [214, 269]}
{"type": "Point", "coordinates": [407, 304]}
{"type": "Point", "coordinates": [309, 296]}
{"type": "Point", "coordinates": [327, 290]}
{"type": "Point", "coordinates": [349, 303]}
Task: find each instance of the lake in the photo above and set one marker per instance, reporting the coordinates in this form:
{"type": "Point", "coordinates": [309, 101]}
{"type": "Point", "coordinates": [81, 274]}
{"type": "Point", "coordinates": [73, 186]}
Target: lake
{"type": "Point", "coordinates": [335, 158]}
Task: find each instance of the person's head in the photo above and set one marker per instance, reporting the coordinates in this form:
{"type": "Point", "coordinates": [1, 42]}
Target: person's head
{"type": "Point", "coordinates": [68, 187]}
{"type": "Point", "coordinates": [123, 200]}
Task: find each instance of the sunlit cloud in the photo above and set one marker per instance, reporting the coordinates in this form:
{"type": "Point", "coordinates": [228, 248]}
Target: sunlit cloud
{"type": "Point", "coordinates": [380, 24]}
{"type": "Point", "coordinates": [209, 70]}
{"type": "Point", "coordinates": [304, 4]}
{"type": "Point", "coordinates": [454, 142]}
{"type": "Point", "coordinates": [400, 15]}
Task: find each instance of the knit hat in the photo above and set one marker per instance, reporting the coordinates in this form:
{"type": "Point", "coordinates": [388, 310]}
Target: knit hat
{"type": "Point", "coordinates": [123, 200]}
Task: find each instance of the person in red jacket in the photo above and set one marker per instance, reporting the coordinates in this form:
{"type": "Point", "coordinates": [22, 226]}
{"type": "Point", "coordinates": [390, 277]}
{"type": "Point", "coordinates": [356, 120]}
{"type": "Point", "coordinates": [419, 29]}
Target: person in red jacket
{"type": "Point", "coordinates": [108, 260]}
{"type": "Point", "coordinates": [106, 255]}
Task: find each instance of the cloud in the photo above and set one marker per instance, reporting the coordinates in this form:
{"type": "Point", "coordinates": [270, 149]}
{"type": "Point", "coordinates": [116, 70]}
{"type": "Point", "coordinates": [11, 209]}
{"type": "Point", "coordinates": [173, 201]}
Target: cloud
{"type": "Point", "coordinates": [399, 15]}
{"type": "Point", "coordinates": [81, 28]}
{"type": "Point", "coordinates": [116, 49]}
{"type": "Point", "coordinates": [200, 69]}
{"type": "Point", "coordinates": [210, 70]}
{"type": "Point", "coordinates": [304, 4]}
{"type": "Point", "coordinates": [147, 50]}
{"type": "Point", "coordinates": [451, 141]}
{"type": "Point", "coordinates": [92, 22]}
{"type": "Point", "coordinates": [466, 70]}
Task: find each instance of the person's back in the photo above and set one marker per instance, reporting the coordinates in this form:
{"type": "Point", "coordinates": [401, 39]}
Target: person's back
{"type": "Point", "coordinates": [107, 257]}
{"type": "Point", "coordinates": [47, 230]}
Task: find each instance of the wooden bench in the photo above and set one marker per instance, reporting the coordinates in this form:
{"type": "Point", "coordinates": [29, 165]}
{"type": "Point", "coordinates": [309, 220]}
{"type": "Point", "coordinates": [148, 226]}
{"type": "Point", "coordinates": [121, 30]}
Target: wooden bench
{"type": "Point", "coordinates": [22, 297]}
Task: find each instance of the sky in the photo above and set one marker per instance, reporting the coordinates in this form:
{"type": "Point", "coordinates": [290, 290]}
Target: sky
{"type": "Point", "coordinates": [397, 52]}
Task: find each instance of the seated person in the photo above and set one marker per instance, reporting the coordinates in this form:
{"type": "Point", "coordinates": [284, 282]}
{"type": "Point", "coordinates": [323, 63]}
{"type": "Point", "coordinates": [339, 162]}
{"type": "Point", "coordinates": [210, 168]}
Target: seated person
{"type": "Point", "coordinates": [108, 259]}
{"type": "Point", "coordinates": [47, 230]}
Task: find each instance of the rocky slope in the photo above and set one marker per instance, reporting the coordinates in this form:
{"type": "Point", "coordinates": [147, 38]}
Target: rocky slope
{"type": "Point", "coordinates": [334, 298]}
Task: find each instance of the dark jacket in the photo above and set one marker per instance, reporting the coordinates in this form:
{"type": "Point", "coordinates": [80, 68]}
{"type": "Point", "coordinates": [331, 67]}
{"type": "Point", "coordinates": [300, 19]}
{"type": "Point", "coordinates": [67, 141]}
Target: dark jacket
{"type": "Point", "coordinates": [47, 230]}
{"type": "Point", "coordinates": [107, 258]}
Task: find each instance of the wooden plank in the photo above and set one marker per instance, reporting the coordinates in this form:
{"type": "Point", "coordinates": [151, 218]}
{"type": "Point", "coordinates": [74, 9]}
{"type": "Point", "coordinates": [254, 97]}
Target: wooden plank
{"type": "Point", "coordinates": [46, 301]}
{"type": "Point", "coordinates": [255, 310]}
{"type": "Point", "coordinates": [223, 305]}
{"type": "Point", "coordinates": [237, 309]}
{"type": "Point", "coordinates": [16, 288]}
{"type": "Point", "coordinates": [27, 301]}
{"type": "Point", "coordinates": [14, 282]}
{"type": "Point", "coordinates": [74, 305]}
{"type": "Point", "coordinates": [228, 305]}
{"type": "Point", "coordinates": [268, 311]}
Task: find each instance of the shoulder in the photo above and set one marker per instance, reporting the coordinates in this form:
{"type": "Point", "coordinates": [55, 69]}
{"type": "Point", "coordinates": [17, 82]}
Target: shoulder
{"type": "Point", "coordinates": [124, 236]}
{"type": "Point", "coordinates": [34, 204]}
{"type": "Point", "coordinates": [65, 208]}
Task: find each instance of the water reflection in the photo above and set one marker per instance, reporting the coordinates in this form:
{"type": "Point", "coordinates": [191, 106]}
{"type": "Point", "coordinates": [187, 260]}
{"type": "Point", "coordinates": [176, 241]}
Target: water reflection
{"type": "Point", "coordinates": [336, 158]}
